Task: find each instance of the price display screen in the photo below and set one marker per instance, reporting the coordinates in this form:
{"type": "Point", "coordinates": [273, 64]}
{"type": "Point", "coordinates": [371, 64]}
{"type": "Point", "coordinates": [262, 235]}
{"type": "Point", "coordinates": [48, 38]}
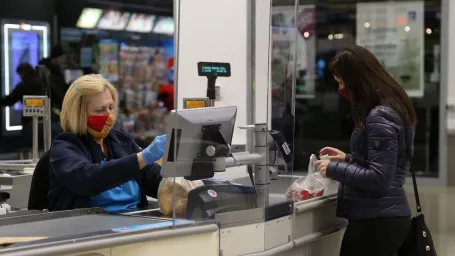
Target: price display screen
{"type": "Point", "coordinates": [195, 103]}
{"type": "Point", "coordinates": [33, 102]}
{"type": "Point", "coordinates": [214, 68]}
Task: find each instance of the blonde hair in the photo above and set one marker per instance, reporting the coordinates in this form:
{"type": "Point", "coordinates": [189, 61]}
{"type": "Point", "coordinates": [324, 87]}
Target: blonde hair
{"type": "Point", "coordinates": [73, 117]}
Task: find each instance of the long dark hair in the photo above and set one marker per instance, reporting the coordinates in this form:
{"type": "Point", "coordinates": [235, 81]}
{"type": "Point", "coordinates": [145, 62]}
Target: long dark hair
{"type": "Point", "coordinates": [369, 85]}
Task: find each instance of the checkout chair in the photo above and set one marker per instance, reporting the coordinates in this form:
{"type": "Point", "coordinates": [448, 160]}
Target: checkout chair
{"type": "Point", "coordinates": [39, 188]}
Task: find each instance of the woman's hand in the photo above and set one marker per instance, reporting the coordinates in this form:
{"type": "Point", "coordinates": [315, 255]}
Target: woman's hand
{"type": "Point", "coordinates": [322, 165]}
{"type": "Point", "coordinates": [155, 150]}
{"type": "Point", "coordinates": [333, 153]}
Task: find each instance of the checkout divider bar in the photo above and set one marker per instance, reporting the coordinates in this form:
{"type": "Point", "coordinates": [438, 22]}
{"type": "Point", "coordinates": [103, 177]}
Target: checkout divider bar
{"type": "Point", "coordinates": [44, 215]}
{"type": "Point", "coordinates": [16, 167]}
{"type": "Point", "coordinates": [41, 248]}
{"type": "Point", "coordinates": [25, 161]}
{"type": "Point", "coordinates": [305, 206]}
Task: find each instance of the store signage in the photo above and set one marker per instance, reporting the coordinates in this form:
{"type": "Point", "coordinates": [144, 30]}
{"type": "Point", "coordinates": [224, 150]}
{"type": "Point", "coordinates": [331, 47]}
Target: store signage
{"type": "Point", "coordinates": [394, 33]}
{"type": "Point", "coordinates": [214, 68]}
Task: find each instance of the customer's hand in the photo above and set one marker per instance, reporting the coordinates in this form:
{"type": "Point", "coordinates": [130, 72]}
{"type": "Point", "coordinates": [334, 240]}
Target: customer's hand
{"type": "Point", "coordinates": [333, 153]}
{"type": "Point", "coordinates": [155, 150]}
{"type": "Point", "coordinates": [322, 165]}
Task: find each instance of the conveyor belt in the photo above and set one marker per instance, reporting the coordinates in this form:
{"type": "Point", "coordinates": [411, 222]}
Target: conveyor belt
{"type": "Point", "coordinates": [71, 226]}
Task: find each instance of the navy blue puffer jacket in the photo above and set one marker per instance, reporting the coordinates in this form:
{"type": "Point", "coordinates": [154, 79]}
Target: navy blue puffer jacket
{"type": "Point", "coordinates": [372, 179]}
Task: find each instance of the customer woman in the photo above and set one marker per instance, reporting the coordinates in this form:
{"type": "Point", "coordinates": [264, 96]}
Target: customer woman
{"type": "Point", "coordinates": [371, 194]}
{"type": "Point", "coordinates": [93, 165]}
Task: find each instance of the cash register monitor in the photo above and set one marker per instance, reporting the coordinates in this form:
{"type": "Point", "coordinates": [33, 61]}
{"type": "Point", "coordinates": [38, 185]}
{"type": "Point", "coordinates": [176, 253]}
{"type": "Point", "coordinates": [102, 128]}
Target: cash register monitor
{"type": "Point", "coordinates": [194, 136]}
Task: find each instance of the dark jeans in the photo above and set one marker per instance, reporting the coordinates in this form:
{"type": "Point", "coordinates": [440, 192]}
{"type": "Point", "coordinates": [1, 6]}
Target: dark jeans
{"type": "Point", "coordinates": [375, 237]}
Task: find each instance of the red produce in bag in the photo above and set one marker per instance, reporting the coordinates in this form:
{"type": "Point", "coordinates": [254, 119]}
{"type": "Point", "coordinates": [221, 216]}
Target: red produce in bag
{"type": "Point", "coordinates": [307, 187]}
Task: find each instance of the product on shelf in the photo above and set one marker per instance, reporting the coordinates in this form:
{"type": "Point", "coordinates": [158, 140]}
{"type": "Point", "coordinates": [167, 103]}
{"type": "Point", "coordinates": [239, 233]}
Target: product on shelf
{"type": "Point", "coordinates": [142, 71]}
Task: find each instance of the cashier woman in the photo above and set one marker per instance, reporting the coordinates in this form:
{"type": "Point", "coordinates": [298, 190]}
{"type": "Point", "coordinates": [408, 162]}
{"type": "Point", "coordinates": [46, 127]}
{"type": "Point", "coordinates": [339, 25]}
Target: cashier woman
{"type": "Point", "coordinates": [93, 165]}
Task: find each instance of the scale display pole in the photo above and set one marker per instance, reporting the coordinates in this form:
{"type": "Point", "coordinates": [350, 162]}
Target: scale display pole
{"type": "Point", "coordinates": [44, 76]}
{"type": "Point", "coordinates": [213, 70]}
{"type": "Point", "coordinates": [35, 107]}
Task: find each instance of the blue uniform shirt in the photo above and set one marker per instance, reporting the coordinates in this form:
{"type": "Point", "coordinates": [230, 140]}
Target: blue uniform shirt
{"type": "Point", "coordinates": [124, 197]}
{"type": "Point", "coordinates": [76, 175]}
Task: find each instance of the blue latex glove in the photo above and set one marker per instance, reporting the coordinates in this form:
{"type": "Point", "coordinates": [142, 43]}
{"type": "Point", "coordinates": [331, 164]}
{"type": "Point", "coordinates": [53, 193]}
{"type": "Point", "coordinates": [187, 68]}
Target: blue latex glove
{"type": "Point", "coordinates": [155, 150]}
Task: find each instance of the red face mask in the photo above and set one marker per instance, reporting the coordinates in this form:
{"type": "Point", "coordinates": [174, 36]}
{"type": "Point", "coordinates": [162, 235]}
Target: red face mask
{"type": "Point", "coordinates": [344, 93]}
{"type": "Point", "coordinates": [100, 126]}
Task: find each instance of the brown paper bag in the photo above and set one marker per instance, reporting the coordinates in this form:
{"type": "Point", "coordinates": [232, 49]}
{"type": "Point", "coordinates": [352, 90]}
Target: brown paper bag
{"type": "Point", "coordinates": [165, 195]}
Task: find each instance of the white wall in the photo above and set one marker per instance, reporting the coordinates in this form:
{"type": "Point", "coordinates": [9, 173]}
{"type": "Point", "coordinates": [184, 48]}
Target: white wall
{"type": "Point", "coordinates": [217, 31]}
{"type": "Point", "coordinates": [207, 32]}
{"type": "Point", "coordinates": [447, 145]}
{"type": "Point", "coordinates": [450, 62]}
{"type": "Point", "coordinates": [214, 31]}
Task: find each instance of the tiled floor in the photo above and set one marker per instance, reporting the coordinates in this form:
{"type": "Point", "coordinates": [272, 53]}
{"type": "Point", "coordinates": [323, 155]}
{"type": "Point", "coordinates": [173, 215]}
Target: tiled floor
{"type": "Point", "coordinates": [438, 205]}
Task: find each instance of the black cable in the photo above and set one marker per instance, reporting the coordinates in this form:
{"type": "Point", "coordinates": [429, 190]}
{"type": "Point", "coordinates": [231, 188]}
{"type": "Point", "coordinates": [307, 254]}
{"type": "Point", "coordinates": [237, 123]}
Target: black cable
{"type": "Point", "coordinates": [274, 158]}
{"type": "Point", "coordinates": [250, 173]}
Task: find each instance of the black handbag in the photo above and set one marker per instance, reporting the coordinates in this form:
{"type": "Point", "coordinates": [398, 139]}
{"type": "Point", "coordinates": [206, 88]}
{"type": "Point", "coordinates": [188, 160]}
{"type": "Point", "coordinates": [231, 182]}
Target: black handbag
{"type": "Point", "coordinates": [419, 241]}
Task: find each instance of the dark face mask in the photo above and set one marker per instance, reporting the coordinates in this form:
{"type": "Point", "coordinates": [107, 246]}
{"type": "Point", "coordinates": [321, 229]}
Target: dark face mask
{"type": "Point", "coordinates": [344, 93]}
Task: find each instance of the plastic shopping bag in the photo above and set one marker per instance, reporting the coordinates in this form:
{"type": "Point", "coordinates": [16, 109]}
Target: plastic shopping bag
{"type": "Point", "coordinates": [309, 186]}
{"type": "Point", "coordinates": [165, 195]}
{"type": "Point", "coordinates": [330, 186]}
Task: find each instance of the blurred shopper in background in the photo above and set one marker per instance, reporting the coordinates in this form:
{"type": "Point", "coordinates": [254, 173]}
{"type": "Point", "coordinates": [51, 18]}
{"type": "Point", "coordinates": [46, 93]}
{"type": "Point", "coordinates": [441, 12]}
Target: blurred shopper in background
{"type": "Point", "coordinates": [29, 85]}
{"type": "Point", "coordinates": [58, 84]}
{"type": "Point", "coordinates": [166, 91]}
{"type": "Point", "coordinates": [371, 194]}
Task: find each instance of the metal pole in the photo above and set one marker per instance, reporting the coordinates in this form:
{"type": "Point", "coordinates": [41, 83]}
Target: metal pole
{"type": "Point", "coordinates": [47, 126]}
{"type": "Point", "coordinates": [177, 8]}
{"type": "Point", "coordinates": [176, 52]}
{"type": "Point", "coordinates": [45, 134]}
{"type": "Point", "coordinates": [35, 156]}
{"type": "Point", "coordinates": [250, 77]}
{"type": "Point", "coordinates": [294, 60]}
{"type": "Point", "coordinates": [261, 171]}
{"type": "Point", "coordinates": [445, 83]}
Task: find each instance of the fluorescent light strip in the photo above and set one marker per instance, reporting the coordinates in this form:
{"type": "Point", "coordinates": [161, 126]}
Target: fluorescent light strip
{"type": "Point", "coordinates": [6, 27]}
{"type": "Point", "coordinates": [45, 47]}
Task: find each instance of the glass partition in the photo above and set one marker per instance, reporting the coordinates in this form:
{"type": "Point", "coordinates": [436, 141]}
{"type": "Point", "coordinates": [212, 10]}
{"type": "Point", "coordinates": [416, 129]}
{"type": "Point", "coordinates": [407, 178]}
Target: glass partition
{"type": "Point", "coordinates": [306, 34]}
{"type": "Point", "coordinates": [283, 64]}
{"type": "Point", "coordinates": [206, 152]}
{"type": "Point", "coordinates": [405, 36]}
{"type": "Point", "coordinates": [220, 157]}
{"type": "Point", "coordinates": [293, 80]}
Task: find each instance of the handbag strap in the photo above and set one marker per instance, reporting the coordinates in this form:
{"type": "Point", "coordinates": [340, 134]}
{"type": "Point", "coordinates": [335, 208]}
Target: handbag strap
{"type": "Point", "coordinates": [416, 191]}
{"type": "Point", "coordinates": [414, 180]}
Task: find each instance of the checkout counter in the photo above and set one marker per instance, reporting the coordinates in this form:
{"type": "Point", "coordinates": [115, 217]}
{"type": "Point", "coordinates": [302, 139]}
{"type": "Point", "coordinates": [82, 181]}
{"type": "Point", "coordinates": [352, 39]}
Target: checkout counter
{"type": "Point", "coordinates": [243, 211]}
{"type": "Point", "coordinates": [222, 218]}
